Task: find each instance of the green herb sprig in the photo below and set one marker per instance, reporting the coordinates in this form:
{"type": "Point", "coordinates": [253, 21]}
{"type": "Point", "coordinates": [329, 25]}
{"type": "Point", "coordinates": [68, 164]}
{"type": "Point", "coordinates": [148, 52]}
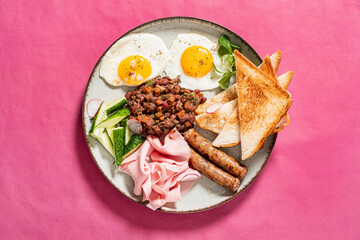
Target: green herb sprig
{"type": "Point", "coordinates": [226, 54]}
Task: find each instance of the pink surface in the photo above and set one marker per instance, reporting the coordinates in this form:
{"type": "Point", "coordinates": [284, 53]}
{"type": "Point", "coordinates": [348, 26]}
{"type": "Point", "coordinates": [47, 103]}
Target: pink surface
{"type": "Point", "coordinates": [51, 188]}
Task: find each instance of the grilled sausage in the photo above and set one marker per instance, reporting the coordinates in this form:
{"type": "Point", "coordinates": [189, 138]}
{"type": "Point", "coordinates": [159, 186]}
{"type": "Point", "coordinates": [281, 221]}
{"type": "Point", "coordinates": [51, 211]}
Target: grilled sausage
{"type": "Point", "coordinates": [213, 172]}
{"type": "Point", "coordinates": [216, 156]}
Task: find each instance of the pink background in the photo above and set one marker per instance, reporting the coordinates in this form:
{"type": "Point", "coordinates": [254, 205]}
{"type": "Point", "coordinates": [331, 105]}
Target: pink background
{"type": "Point", "coordinates": [51, 188]}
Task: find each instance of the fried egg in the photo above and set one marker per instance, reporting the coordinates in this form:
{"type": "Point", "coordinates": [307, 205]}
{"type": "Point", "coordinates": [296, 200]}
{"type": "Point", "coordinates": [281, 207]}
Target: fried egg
{"type": "Point", "coordinates": [134, 59]}
{"type": "Point", "coordinates": [192, 57]}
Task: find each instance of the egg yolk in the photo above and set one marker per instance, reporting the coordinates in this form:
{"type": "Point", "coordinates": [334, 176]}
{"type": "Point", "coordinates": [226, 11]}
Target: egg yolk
{"type": "Point", "coordinates": [134, 69]}
{"type": "Point", "coordinates": [196, 61]}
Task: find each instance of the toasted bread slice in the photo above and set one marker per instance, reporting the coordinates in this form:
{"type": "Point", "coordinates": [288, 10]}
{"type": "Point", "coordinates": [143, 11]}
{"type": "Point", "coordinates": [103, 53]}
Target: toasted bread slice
{"type": "Point", "coordinates": [229, 95]}
{"type": "Point", "coordinates": [275, 60]}
{"type": "Point", "coordinates": [267, 67]}
{"type": "Point", "coordinates": [262, 102]}
{"type": "Point", "coordinates": [285, 79]}
{"type": "Point", "coordinates": [230, 133]}
{"type": "Point", "coordinates": [215, 121]}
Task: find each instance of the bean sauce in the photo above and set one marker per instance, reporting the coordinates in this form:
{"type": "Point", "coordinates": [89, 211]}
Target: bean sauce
{"type": "Point", "coordinates": [161, 105]}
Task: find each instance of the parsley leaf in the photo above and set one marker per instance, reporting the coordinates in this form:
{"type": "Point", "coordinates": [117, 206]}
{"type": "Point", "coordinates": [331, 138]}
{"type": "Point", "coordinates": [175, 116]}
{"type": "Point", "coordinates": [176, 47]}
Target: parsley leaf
{"type": "Point", "coordinates": [224, 82]}
{"type": "Point", "coordinates": [226, 54]}
{"type": "Point", "coordinates": [224, 41]}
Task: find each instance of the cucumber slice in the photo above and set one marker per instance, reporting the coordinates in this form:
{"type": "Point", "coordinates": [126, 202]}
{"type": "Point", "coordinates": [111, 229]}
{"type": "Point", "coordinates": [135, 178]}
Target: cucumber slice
{"type": "Point", "coordinates": [128, 133]}
{"type": "Point", "coordinates": [115, 105]}
{"type": "Point", "coordinates": [123, 123]}
{"type": "Point", "coordinates": [119, 144]}
{"type": "Point", "coordinates": [100, 116]}
{"type": "Point", "coordinates": [133, 144]}
{"type": "Point", "coordinates": [113, 119]}
{"type": "Point", "coordinates": [97, 132]}
{"type": "Point", "coordinates": [106, 142]}
{"type": "Point", "coordinates": [110, 133]}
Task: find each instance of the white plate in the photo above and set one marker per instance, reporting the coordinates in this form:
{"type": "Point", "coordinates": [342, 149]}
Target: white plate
{"type": "Point", "coordinates": [204, 194]}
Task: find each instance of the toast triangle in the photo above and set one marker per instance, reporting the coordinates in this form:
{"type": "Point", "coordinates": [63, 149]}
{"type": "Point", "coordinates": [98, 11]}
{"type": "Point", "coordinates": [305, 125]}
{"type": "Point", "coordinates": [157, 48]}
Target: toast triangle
{"type": "Point", "coordinates": [230, 133]}
{"type": "Point", "coordinates": [275, 60]}
{"type": "Point", "coordinates": [285, 79]}
{"type": "Point", "coordinates": [262, 102]}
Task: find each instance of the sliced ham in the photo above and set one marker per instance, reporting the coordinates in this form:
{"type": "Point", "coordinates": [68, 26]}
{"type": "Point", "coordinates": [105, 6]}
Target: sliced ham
{"type": "Point", "coordinates": [160, 170]}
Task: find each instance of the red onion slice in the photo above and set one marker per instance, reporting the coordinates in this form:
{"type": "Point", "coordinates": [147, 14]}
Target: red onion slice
{"type": "Point", "coordinates": [134, 125]}
{"type": "Point", "coordinates": [92, 107]}
{"type": "Point", "coordinates": [214, 107]}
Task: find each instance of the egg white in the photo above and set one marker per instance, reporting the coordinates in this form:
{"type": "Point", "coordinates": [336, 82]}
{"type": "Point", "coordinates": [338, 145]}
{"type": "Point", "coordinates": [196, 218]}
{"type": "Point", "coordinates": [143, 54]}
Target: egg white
{"type": "Point", "coordinates": [174, 69]}
{"type": "Point", "coordinates": [146, 45]}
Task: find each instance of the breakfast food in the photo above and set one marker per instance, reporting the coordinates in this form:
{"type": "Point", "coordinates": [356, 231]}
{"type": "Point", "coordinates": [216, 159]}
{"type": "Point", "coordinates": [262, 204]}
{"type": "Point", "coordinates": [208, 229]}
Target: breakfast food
{"type": "Point", "coordinates": [230, 93]}
{"type": "Point", "coordinates": [230, 132]}
{"type": "Point", "coordinates": [215, 122]}
{"type": "Point", "coordinates": [285, 79]}
{"type": "Point", "coordinates": [267, 67]}
{"type": "Point", "coordinates": [134, 59]}
{"type": "Point", "coordinates": [229, 135]}
{"type": "Point", "coordinates": [161, 104]}
{"type": "Point", "coordinates": [262, 102]}
{"type": "Point", "coordinates": [275, 60]}
{"type": "Point", "coordinates": [192, 57]}
{"type": "Point", "coordinates": [160, 170]}
{"type": "Point", "coordinates": [150, 129]}
{"type": "Point", "coordinates": [216, 156]}
{"type": "Point", "coordinates": [213, 172]}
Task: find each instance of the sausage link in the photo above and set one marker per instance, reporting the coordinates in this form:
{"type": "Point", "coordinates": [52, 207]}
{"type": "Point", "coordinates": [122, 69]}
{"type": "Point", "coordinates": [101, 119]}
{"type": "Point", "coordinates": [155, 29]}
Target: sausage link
{"type": "Point", "coordinates": [213, 172]}
{"type": "Point", "coordinates": [216, 156]}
